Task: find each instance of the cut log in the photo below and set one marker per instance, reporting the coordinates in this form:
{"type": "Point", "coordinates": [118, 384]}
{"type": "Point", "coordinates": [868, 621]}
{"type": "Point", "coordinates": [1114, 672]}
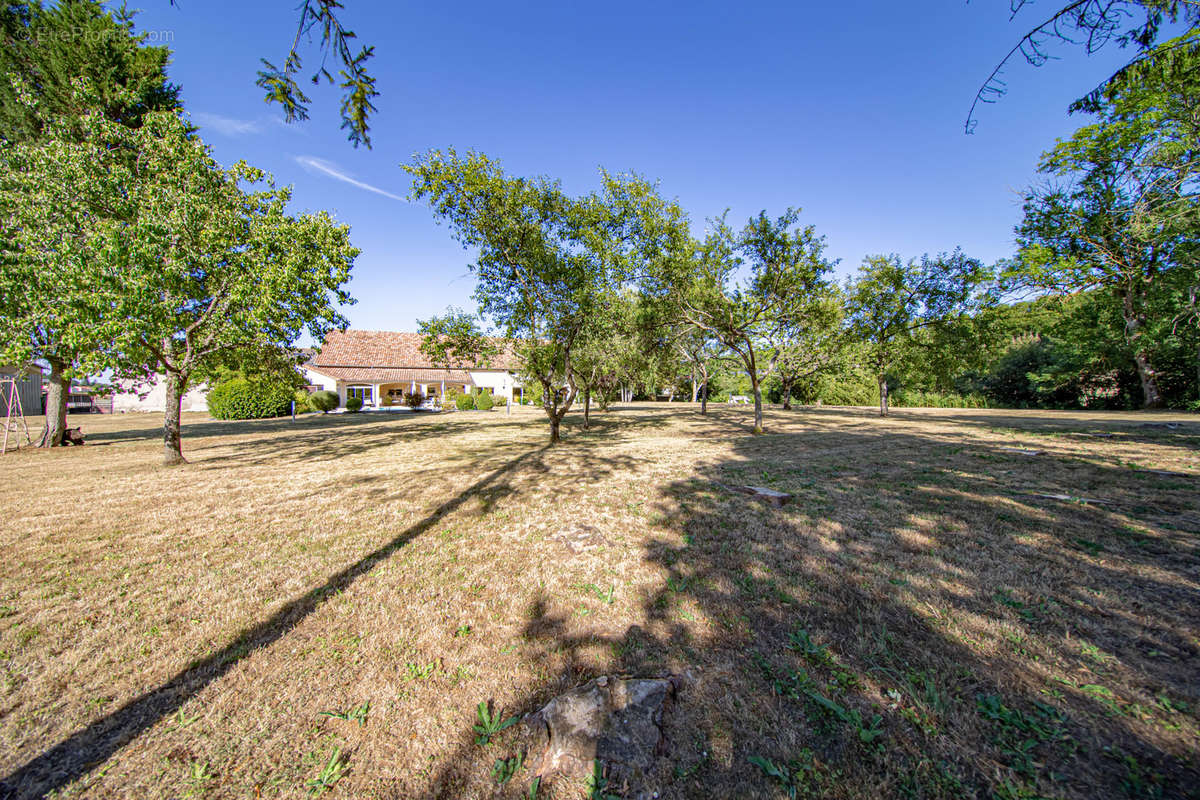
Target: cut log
{"type": "Point", "coordinates": [1066, 498]}
{"type": "Point", "coordinates": [772, 496]}
{"type": "Point", "coordinates": [72, 436]}
{"type": "Point", "coordinates": [1019, 451]}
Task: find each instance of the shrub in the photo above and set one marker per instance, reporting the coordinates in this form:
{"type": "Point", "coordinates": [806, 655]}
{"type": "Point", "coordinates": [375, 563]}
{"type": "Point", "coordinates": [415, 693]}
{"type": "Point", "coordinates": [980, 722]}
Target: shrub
{"type": "Point", "coordinates": [414, 399]}
{"type": "Point", "coordinates": [464, 402]}
{"type": "Point", "coordinates": [249, 398]}
{"type": "Point", "coordinates": [500, 401]}
{"type": "Point", "coordinates": [483, 401]}
{"type": "Point", "coordinates": [324, 400]}
{"type": "Point", "coordinates": [354, 404]}
{"type": "Point", "coordinates": [300, 398]}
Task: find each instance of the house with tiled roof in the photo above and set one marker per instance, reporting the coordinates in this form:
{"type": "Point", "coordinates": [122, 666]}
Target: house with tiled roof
{"type": "Point", "coordinates": [381, 367]}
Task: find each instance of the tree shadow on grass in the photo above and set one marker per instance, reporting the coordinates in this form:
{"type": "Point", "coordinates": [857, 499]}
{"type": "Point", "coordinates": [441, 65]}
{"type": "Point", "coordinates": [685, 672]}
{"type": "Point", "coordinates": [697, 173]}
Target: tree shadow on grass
{"type": "Point", "coordinates": [73, 757]}
{"type": "Point", "coordinates": [911, 626]}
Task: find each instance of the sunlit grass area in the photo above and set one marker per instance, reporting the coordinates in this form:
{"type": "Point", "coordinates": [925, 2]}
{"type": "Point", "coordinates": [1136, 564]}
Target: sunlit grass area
{"type": "Point", "coordinates": [956, 604]}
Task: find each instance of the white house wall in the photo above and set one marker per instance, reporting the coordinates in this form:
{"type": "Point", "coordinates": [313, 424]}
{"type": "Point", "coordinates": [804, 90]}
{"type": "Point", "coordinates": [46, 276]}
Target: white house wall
{"type": "Point", "coordinates": [325, 382]}
{"type": "Point", "coordinates": [152, 396]}
{"type": "Point", "coordinates": [501, 383]}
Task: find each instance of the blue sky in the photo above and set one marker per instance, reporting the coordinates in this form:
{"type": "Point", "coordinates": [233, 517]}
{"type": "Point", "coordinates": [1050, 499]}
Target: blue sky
{"type": "Point", "coordinates": [852, 111]}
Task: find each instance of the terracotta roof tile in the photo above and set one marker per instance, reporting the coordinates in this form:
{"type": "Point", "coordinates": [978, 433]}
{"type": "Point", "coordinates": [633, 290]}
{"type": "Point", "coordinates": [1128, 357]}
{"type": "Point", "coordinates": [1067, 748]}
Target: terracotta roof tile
{"type": "Point", "coordinates": [388, 349]}
{"type": "Point", "coordinates": [393, 375]}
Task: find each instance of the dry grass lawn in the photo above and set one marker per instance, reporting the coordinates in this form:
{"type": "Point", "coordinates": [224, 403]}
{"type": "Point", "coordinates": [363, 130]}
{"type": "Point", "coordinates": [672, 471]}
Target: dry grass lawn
{"type": "Point", "coordinates": [317, 607]}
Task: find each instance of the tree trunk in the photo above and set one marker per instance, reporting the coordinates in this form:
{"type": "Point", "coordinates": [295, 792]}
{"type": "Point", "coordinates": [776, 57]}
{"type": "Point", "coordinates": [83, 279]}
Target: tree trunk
{"type": "Point", "coordinates": [1151, 396]}
{"type": "Point", "coordinates": [172, 438]}
{"type": "Point", "coordinates": [758, 419]}
{"type": "Point", "coordinates": [57, 389]}
{"type": "Point", "coordinates": [587, 408]}
{"type": "Point", "coordinates": [787, 395]}
{"type": "Point", "coordinates": [883, 396]}
{"type": "Point", "coordinates": [704, 401]}
{"type": "Point", "coordinates": [695, 387]}
{"type": "Point", "coordinates": [554, 423]}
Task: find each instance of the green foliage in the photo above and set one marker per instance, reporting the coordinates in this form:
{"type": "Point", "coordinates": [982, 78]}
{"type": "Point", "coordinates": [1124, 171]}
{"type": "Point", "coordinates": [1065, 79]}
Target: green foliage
{"type": "Point", "coordinates": [249, 398]}
{"type": "Point", "coordinates": [302, 399]}
{"type": "Point", "coordinates": [455, 341]}
{"type": "Point", "coordinates": [489, 724]}
{"type": "Point", "coordinates": [354, 404]}
{"type": "Point", "coordinates": [323, 400]}
{"type": "Point", "coordinates": [48, 48]}
{"type": "Point", "coordinates": [483, 400]}
{"type": "Point", "coordinates": [414, 400]}
{"type": "Point", "coordinates": [464, 402]}
{"type": "Point", "coordinates": [356, 82]}
{"type": "Point", "coordinates": [333, 771]}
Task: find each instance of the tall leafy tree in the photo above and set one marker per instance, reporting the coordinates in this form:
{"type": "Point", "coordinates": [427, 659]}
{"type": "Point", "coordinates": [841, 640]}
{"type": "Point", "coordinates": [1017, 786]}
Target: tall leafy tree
{"type": "Point", "coordinates": [890, 300]}
{"type": "Point", "coordinates": [1121, 212]}
{"type": "Point", "coordinates": [455, 340]}
{"type": "Point", "coordinates": [61, 207]}
{"type": "Point", "coordinates": [813, 342]}
{"type": "Point", "coordinates": [547, 264]}
{"type": "Point", "coordinates": [214, 268]}
{"type": "Point", "coordinates": [1094, 25]}
{"type": "Point", "coordinates": [49, 48]}
{"type": "Point", "coordinates": [61, 66]}
{"type": "Point", "coordinates": [752, 318]}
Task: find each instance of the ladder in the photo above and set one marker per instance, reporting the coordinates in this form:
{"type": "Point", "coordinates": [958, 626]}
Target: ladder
{"type": "Point", "coordinates": [13, 422]}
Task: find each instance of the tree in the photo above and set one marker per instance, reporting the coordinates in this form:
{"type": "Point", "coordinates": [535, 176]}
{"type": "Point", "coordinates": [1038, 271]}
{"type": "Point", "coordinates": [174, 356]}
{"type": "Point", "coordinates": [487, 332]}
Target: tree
{"type": "Point", "coordinates": [546, 262]}
{"type": "Point", "coordinates": [812, 342]}
{"type": "Point", "coordinates": [62, 66]}
{"type": "Point", "coordinates": [455, 341]}
{"type": "Point", "coordinates": [702, 351]}
{"type": "Point", "coordinates": [356, 81]}
{"type": "Point", "coordinates": [1122, 214]}
{"type": "Point", "coordinates": [49, 49]}
{"type": "Point", "coordinates": [212, 272]}
{"type": "Point", "coordinates": [751, 319]}
{"type": "Point", "coordinates": [60, 202]}
{"type": "Point", "coordinates": [891, 300]}
{"type": "Point", "coordinates": [1093, 25]}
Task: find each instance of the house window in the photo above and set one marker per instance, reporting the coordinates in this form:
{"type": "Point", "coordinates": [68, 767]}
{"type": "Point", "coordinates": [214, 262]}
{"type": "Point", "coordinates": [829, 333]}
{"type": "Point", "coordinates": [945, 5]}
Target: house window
{"type": "Point", "coordinates": [361, 392]}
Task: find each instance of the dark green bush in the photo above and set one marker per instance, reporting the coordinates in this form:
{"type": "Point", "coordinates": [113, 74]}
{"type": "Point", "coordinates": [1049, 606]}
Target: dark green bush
{"type": "Point", "coordinates": [483, 401]}
{"type": "Point", "coordinates": [414, 400]}
{"type": "Point", "coordinates": [354, 404]}
{"type": "Point", "coordinates": [323, 400]}
{"type": "Point", "coordinates": [249, 398]}
{"type": "Point", "coordinates": [464, 402]}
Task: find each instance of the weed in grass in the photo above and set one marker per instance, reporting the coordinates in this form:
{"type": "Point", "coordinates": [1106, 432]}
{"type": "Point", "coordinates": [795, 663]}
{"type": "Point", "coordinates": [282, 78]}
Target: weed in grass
{"type": "Point", "coordinates": [1018, 734]}
{"type": "Point", "coordinates": [534, 788]}
{"type": "Point", "coordinates": [463, 632]}
{"type": "Point", "coordinates": [489, 724]}
{"type": "Point", "coordinates": [181, 719]}
{"type": "Point", "coordinates": [803, 777]}
{"type": "Point", "coordinates": [606, 597]}
{"type": "Point", "coordinates": [357, 714]}
{"type": "Point", "coordinates": [505, 768]}
{"type": "Point", "coordinates": [197, 779]}
{"type": "Point", "coordinates": [422, 672]}
{"type": "Point", "coordinates": [597, 784]}
{"type": "Point", "coordinates": [1137, 780]}
{"type": "Point", "coordinates": [333, 771]}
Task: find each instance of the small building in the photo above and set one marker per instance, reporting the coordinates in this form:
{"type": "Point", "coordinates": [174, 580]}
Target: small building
{"type": "Point", "coordinates": [29, 389]}
{"type": "Point", "coordinates": [381, 367]}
